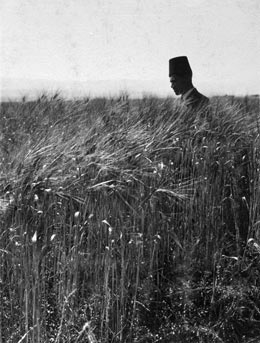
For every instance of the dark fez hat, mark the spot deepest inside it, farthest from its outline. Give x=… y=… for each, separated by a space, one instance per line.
x=179 y=66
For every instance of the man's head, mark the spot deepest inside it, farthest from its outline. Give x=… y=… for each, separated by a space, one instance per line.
x=180 y=74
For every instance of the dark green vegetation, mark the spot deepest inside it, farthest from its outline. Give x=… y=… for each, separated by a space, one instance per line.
x=122 y=222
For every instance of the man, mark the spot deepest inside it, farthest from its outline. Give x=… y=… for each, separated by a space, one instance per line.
x=180 y=74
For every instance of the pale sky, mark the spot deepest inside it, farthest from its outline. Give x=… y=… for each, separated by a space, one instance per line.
x=128 y=42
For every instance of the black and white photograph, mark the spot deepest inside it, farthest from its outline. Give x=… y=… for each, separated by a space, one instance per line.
x=129 y=171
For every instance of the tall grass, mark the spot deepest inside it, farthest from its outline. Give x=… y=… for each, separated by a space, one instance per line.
x=122 y=221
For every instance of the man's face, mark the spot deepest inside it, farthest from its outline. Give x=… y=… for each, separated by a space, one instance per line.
x=178 y=84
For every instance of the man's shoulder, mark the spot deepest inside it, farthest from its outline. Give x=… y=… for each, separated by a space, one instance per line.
x=195 y=99
x=197 y=95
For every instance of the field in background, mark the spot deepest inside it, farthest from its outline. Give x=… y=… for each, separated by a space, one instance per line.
x=121 y=221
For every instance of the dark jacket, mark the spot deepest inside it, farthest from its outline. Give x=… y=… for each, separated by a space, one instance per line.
x=195 y=100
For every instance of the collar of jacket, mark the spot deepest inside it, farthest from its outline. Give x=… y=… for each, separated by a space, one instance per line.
x=186 y=95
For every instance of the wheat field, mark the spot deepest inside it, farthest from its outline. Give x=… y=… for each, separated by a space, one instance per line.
x=122 y=221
